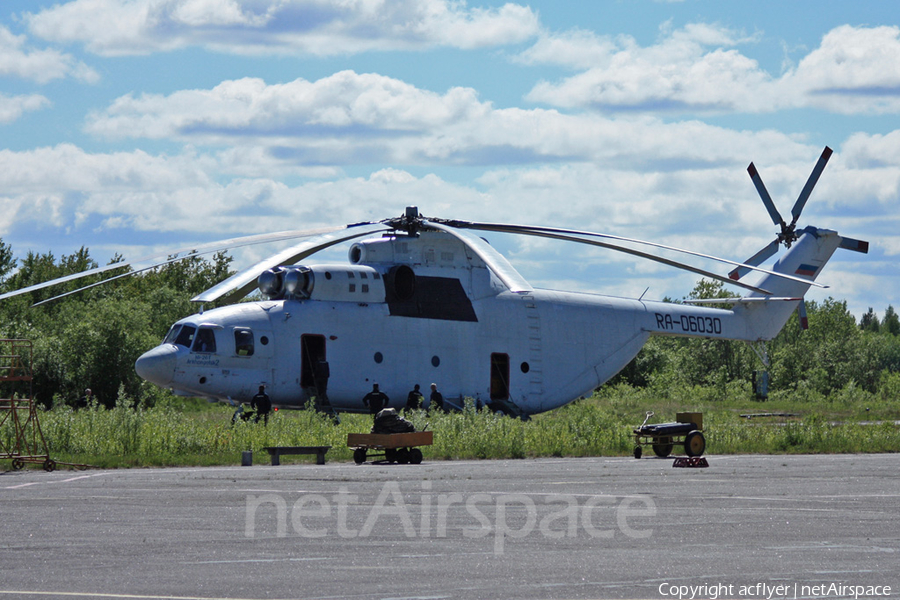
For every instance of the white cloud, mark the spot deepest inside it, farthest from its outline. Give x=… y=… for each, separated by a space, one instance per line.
x=679 y=73
x=13 y=107
x=350 y=118
x=343 y=101
x=314 y=27
x=715 y=209
x=855 y=70
x=42 y=66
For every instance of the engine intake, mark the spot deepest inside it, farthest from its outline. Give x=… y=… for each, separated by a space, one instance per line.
x=340 y=283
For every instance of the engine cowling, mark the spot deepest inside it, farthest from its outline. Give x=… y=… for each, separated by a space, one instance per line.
x=338 y=283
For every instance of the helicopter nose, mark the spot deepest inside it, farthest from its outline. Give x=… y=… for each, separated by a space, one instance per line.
x=157 y=365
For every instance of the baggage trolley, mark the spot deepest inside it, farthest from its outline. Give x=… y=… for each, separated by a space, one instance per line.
x=394 y=447
x=687 y=431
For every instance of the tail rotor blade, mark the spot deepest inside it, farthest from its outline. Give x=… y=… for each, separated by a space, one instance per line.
x=764 y=194
x=801 y=312
x=810 y=184
x=757 y=259
x=855 y=245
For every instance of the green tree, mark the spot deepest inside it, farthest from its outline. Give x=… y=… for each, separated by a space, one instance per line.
x=869 y=321
x=891 y=322
x=92 y=338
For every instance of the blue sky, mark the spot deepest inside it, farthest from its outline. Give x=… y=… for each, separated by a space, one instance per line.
x=138 y=126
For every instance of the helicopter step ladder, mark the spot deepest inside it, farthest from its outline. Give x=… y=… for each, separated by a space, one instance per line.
x=325 y=407
x=21 y=438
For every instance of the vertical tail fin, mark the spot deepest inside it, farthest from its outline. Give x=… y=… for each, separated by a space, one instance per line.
x=805 y=260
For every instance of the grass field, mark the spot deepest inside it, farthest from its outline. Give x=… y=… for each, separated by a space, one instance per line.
x=191 y=432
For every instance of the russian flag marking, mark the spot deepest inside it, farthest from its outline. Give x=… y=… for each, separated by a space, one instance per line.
x=806 y=270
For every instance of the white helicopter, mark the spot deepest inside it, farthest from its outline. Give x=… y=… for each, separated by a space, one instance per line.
x=425 y=300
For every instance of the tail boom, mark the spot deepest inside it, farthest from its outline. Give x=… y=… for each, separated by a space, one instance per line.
x=757 y=316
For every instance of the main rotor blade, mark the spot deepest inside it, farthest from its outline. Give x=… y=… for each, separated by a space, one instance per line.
x=553 y=234
x=801 y=313
x=113 y=278
x=764 y=194
x=195 y=250
x=810 y=184
x=524 y=229
x=495 y=261
x=242 y=283
x=757 y=259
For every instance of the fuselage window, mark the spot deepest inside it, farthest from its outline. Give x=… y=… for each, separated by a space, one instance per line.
x=206 y=341
x=243 y=342
x=185 y=336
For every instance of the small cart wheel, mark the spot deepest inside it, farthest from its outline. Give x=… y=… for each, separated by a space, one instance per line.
x=390 y=454
x=695 y=444
x=415 y=456
x=18 y=464
x=49 y=465
x=403 y=456
x=664 y=447
x=638 y=451
x=359 y=456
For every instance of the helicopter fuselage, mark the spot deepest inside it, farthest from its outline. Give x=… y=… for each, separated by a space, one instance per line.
x=415 y=310
x=423 y=309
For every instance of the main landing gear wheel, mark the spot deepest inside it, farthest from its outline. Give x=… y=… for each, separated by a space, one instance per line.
x=359 y=456
x=695 y=444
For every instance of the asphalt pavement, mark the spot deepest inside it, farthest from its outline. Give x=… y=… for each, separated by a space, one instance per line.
x=745 y=527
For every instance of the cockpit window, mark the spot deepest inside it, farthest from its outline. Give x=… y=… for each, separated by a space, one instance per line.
x=185 y=336
x=172 y=335
x=206 y=341
x=243 y=342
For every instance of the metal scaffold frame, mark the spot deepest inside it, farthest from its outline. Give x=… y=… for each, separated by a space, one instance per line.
x=21 y=438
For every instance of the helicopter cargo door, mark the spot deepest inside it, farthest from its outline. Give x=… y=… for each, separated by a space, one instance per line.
x=312 y=353
x=499 y=376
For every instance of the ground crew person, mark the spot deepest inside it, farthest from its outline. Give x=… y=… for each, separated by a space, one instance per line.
x=375 y=400
x=414 y=399
x=261 y=403
x=437 y=399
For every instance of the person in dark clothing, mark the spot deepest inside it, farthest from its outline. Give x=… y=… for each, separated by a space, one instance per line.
x=261 y=403
x=85 y=400
x=437 y=399
x=375 y=400
x=321 y=372
x=414 y=399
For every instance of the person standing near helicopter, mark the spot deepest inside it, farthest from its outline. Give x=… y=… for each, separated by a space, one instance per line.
x=261 y=403
x=375 y=400
x=436 y=400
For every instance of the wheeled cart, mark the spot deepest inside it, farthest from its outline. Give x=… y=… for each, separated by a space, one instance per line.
x=394 y=447
x=687 y=431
